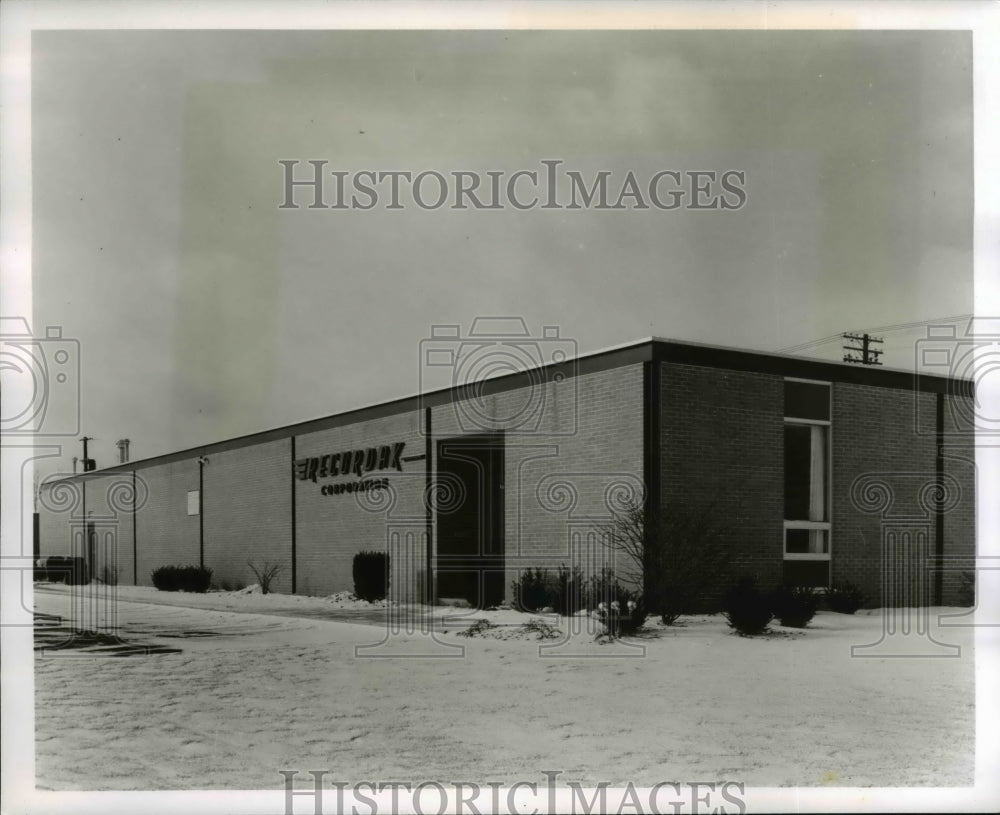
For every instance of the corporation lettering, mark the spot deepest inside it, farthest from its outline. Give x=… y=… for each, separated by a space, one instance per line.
x=351 y=462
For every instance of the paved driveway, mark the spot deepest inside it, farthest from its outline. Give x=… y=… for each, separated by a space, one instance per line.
x=160 y=621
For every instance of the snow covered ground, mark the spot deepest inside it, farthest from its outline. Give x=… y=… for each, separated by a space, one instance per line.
x=256 y=684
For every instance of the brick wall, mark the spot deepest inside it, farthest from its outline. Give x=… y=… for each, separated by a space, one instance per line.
x=166 y=534
x=960 y=519
x=562 y=474
x=566 y=466
x=107 y=502
x=882 y=435
x=572 y=449
x=247 y=506
x=721 y=446
x=722 y=443
x=331 y=529
x=57 y=503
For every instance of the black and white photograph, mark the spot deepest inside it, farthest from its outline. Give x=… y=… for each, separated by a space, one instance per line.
x=499 y=408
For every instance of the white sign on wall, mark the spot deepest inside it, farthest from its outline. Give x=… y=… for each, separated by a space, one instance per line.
x=194 y=502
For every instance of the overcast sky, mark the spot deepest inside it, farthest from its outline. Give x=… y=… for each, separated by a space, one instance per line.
x=205 y=312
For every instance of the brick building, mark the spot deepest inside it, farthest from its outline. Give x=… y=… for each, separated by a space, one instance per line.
x=822 y=472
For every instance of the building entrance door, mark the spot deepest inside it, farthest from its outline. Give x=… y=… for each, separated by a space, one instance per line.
x=470 y=519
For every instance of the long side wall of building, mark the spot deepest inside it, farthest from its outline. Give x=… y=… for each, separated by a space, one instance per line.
x=574 y=454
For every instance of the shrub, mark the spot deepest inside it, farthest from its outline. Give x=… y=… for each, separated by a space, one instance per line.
x=371 y=575
x=746 y=609
x=635 y=616
x=844 y=598
x=569 y=591
x=600 y=588
x=182 y=578
x=265 y=574
x=622 y=611
x=794 y=606
x=533 y=590
x=565 y=592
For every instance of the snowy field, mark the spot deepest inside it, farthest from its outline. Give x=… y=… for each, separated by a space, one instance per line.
x=247 y=685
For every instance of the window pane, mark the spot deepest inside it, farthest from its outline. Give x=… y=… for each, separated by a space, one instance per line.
x=805 y=472
x=798 y=454
x=807 y=542
x=804 y=400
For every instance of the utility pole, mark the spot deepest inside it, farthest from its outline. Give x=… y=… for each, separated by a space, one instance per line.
x=88 y=540
x=869 y=355
x=88 y=463
x=202 y=461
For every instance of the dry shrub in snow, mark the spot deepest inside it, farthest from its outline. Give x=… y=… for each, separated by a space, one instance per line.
x=265 y=574
x=677 y=555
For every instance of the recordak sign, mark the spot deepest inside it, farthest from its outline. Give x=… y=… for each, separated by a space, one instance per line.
x=352 y=462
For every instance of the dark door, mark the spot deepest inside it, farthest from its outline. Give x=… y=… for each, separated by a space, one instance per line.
x=470 y=519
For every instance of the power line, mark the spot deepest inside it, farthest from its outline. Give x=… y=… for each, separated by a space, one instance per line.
x=884 y=329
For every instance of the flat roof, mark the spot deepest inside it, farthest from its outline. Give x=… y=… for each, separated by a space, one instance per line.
x=650 y=349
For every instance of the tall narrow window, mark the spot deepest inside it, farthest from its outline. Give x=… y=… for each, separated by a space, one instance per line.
x=807 y=493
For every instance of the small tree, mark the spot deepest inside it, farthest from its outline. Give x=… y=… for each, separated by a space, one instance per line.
x=678 y=555
x=746 y=608
x=265 y=574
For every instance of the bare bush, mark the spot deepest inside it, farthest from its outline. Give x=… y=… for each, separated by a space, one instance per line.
x=265 y=574
x=678 y=556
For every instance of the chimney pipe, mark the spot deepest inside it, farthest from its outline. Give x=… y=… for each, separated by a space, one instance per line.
x=122 y=451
